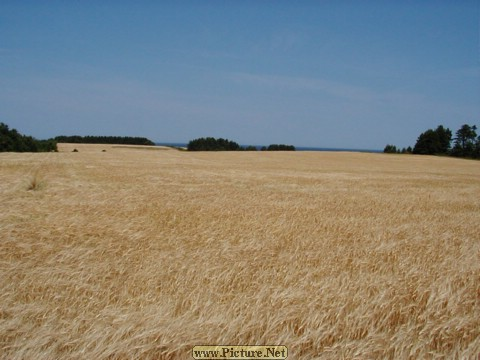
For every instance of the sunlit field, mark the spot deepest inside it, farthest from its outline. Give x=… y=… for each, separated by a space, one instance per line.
x=134 y=253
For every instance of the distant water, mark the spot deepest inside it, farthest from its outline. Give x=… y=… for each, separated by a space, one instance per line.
x=172 y=144
x=298 y=148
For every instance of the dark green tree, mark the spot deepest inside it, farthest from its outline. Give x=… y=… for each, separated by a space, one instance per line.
x=465 y=141
x=390 y=149
x=427 y=143
x=477 y=148
x=444 y=139
x=433 y=142
x=212 y=144
x=280 y=147
x=12 y=140
x=6 y=139
x=124 y=140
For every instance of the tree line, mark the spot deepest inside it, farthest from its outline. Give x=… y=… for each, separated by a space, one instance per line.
x=438 y=141
x=12 y=140
x=220 y=144
x=124 y=140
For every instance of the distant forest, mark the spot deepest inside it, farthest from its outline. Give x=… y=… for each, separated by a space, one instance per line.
x=127 y=140
x=466 y=143
x=212 y=144
x=12 y=140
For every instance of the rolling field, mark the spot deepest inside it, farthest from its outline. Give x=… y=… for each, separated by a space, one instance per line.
x=134 y=253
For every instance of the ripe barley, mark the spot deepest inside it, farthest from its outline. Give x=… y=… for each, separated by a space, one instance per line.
x=143 y=254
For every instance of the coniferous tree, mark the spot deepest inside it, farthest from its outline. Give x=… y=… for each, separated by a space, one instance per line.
x=212 y=144
x=280 y=147
x=390 y=149
x=124 y=140
x=465 y=145
x=433 y=142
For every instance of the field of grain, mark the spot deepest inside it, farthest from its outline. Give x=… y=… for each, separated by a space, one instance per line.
x=131 y=253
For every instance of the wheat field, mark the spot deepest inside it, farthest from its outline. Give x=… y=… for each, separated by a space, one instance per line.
x=134 y=253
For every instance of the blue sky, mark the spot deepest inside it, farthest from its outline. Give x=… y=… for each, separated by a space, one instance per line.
x=345 y=74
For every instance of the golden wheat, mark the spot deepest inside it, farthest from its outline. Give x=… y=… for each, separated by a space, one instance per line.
x=135 y=254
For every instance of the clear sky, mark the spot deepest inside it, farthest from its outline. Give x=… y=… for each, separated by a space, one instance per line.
x=344 y=74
